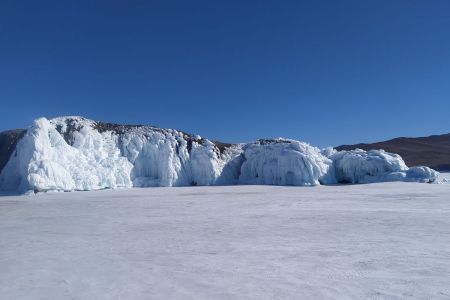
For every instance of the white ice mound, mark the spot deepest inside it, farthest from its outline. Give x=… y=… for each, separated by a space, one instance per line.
x=283 y=162
x=74 y=153
x=359 y=166
x=45 y=161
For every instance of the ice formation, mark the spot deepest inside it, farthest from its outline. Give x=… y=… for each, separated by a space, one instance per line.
x=74 y=153
x=359 y=166
x=283 y=162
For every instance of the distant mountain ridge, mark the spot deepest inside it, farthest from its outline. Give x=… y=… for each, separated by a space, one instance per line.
x=431 y=151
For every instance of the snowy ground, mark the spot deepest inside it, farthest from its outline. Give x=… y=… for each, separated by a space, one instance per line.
x=375 y=241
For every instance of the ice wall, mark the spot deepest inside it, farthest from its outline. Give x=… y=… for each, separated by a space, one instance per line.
x=74 y=153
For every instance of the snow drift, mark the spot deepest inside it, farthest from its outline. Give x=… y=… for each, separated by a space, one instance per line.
x=74 y=153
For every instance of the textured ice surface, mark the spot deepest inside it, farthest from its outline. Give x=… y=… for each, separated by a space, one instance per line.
x=45 y=161
x=283 y=162
x=377 y=241
x=74 y=153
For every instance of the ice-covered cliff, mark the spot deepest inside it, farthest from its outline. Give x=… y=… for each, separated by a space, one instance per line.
x=74 y=153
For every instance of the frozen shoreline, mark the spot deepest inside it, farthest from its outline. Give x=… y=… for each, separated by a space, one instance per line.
x=78 y=154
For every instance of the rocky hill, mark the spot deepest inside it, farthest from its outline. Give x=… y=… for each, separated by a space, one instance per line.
x=431 y=151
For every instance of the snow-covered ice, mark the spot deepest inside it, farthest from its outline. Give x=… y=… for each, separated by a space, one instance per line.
x=74 y=153
x=375 y=241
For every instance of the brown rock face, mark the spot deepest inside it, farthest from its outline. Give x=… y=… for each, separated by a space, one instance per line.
x=8 y=141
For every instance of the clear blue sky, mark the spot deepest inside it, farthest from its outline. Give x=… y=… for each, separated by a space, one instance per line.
x=326 y=72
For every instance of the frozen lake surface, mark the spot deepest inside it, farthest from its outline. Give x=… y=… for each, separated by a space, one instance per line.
x=375 y=241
